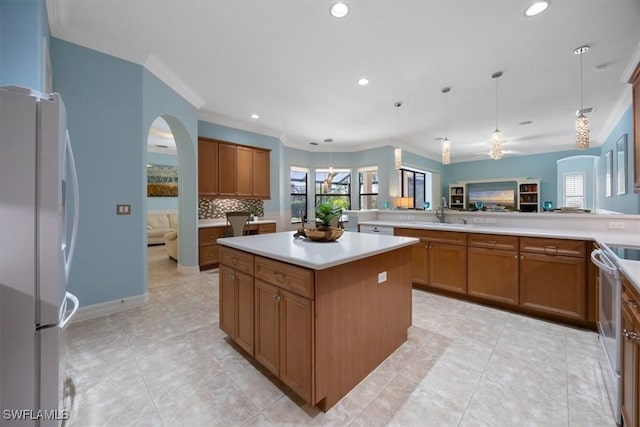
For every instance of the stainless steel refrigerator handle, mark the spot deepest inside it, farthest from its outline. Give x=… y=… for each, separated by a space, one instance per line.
x=76 y=304
x=598 y=257
x=76 y=206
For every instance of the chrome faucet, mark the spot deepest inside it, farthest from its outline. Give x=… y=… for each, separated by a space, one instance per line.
x=440 y=210
x=464 y=221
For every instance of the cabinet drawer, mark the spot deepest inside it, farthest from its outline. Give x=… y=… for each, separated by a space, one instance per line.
x=434 y=236
x=572 y=248
x=208 y=254
x=210 y=235
x=493 y=241
x=238 y=260
x=266 y=228
x=295 y=279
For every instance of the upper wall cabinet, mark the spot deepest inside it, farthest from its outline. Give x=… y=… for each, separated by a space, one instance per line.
x=227 y=170
x=635 y=81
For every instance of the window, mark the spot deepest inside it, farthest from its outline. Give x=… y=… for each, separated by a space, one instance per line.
x=413 y=185
x=298 y=195
x=574 y=191
x=333 y=186
x=368 y=190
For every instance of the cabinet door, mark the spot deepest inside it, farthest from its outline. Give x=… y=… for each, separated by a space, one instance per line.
x=227 y=304
x=207 y=167
x=244 y=172
x=244 y=309
x=420 y=263
x=553 y=284
x=448 y=267
x=226 y=170
x=629 y=370
x=261 y=174
x=493 y=274
x=266 y=326
x=296 y=338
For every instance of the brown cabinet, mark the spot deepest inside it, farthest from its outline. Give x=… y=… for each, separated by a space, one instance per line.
x=207 y=167
x=630 y=366
x=236 y=306
x=635 y=81
x=439 y=260
x=231 y=170
x=553 y=276
x=284 y=323
x=208 y=249
x=244 y=172
x=227 y=170
x=492 y=267
x=261 y=174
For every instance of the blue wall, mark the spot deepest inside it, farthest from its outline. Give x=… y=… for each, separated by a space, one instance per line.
x=628 y=203
x=536 y=166
x=111 y=105
x=24 y=32
x=162 y=203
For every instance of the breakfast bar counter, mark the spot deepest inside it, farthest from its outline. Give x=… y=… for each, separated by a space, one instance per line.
x=319 y=315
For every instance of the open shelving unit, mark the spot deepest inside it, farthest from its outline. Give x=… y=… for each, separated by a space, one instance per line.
x=527 y=197
x=457 y=196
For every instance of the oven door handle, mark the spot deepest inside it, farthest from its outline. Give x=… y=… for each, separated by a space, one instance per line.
x=601 y=261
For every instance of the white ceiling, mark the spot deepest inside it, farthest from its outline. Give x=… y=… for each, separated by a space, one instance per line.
x=297 y=67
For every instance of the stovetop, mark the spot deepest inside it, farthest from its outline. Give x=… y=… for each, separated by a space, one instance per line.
x=625 y=252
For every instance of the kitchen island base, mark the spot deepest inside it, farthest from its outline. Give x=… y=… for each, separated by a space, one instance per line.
x=320 y=331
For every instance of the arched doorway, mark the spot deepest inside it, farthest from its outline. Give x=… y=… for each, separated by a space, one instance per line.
x=162 y=192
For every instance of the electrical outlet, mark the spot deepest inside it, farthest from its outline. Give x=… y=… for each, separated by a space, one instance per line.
x=123 y=209
x=410 y=217
x=382 y=277
x=478 y=220
x=616 y=225
x=489 y=220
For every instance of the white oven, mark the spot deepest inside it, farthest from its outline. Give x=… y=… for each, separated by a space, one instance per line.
x=609 y=327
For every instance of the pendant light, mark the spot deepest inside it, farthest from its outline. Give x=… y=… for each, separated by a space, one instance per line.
x=496 y=144
x=397 y=152
x=582 y=122
x=446 y=144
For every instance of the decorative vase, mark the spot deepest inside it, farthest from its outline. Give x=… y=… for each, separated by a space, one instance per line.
x=320 y=234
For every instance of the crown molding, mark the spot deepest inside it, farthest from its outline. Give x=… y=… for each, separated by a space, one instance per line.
x=624 y=102
x=168 y=77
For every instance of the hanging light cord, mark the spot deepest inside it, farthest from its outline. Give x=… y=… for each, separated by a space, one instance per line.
x=445 y=115
x=497 y=103
x=581 y=83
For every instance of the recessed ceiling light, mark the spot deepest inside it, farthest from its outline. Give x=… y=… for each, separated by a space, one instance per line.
x=339 y=10
x=363 y=81
x=162 y=146
x=440 y=138
x=255 y=116
x=601 y=67
x=526 y=122
x=536 y=8
x=313 y=143
x=328 y=140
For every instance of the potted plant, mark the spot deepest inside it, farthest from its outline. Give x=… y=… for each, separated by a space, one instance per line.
x=325 y=213
x=254 y=213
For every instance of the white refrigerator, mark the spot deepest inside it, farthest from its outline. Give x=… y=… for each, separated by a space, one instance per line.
x=38 y=227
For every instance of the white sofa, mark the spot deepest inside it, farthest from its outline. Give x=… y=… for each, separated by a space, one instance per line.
x=171 y=243
x=159 y=224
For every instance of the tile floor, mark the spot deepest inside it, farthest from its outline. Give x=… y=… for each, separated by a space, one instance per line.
x=168 y=364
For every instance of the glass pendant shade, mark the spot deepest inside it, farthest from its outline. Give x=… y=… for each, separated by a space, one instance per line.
x=397 y=158
x=496 y=146
x=582 y=132
x=446 y=152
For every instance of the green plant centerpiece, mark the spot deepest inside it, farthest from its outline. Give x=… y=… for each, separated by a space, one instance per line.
x=325 y=213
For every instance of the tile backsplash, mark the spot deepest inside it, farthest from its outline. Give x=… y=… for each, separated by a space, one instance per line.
x=216 y=208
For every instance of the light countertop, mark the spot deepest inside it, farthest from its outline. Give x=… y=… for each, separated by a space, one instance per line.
x=222 y=222
x=349 y=247
x=631 y=269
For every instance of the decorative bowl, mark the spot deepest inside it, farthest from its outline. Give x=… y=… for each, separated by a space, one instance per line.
x=323 y=234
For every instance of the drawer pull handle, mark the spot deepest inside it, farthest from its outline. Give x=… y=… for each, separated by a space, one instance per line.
x=277 y=297
x=551 y=249
x=231 y=277
x=631 y=303
x=491 y=242
x=630 y=335
x=279 y=276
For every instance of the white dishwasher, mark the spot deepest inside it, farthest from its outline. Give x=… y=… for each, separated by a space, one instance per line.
x=376 y=229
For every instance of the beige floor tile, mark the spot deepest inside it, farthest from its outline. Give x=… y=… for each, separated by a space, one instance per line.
x=168 y=364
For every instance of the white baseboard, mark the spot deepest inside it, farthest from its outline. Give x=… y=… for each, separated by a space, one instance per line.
x=110 y=307
x=188 y=270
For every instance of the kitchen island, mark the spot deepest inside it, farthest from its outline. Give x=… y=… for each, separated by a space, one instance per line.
x=319 y=315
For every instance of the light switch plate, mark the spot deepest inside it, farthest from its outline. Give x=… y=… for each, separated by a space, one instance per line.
x=616 y=225
x=123 y=209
